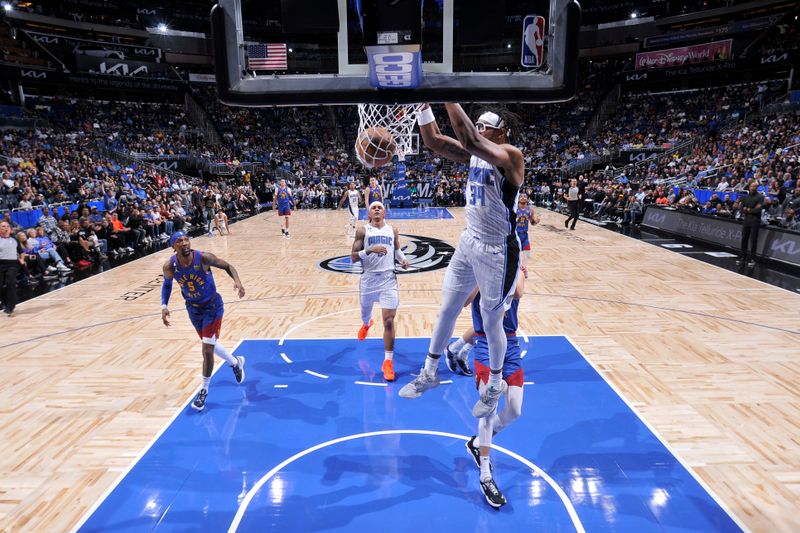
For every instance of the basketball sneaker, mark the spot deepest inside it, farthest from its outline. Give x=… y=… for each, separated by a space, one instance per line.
x=492 y=494
x=420 y=384
x=200 y=400
x=238 y=370
x=488 y=400
x=474 y=451
x=388 y=370
x=450 y=358
x=363 y=330
x=462 y=360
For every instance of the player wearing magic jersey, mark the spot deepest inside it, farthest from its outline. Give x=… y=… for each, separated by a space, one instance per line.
x=353 y=199
x=377 y=247
x=488 y=251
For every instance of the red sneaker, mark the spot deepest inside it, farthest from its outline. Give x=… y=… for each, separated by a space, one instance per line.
x=362 y=332
x=388 y=370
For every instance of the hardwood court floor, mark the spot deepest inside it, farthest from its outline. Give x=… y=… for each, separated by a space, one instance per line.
x=708 y=357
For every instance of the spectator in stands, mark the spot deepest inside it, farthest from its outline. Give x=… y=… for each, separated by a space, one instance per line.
x=46 y=250
x=47 y=221
x=790 y=221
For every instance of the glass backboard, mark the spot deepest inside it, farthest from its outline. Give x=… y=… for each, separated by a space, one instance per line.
x=470 y=51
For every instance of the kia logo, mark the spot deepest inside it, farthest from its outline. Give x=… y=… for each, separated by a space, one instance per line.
x=774 y=58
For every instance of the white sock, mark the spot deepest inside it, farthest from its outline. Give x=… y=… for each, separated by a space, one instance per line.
x=495 y=379
x=388 y=355
x=223 y=353
x=486 y=473
x=206 y=382
x=431 y=365
x=457 y=345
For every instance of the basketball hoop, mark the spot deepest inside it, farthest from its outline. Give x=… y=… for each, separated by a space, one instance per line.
x=397 y=120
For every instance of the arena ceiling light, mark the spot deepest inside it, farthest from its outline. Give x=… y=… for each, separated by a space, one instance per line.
x=7 y=6
x=162 y=27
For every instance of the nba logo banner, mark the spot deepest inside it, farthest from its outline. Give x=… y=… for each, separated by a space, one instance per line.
x=532 y=41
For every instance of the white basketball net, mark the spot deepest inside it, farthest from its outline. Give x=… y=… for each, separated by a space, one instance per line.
x=398 y=120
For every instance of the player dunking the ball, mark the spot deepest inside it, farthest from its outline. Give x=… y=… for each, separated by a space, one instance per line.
x=192 y=270
x=488 y=251
x=353 y=199
x=377 y=246
x=283 y=200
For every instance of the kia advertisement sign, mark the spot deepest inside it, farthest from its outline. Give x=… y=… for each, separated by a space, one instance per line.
x=672 y=57
x=773 y=242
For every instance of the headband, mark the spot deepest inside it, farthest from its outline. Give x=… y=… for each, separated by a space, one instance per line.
x=175 y=236
x=376 y=202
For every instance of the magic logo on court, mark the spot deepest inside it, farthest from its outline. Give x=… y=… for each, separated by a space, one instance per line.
x=424 y=254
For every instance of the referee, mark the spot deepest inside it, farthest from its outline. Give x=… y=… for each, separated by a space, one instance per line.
x=573 y=197
x=11 y=257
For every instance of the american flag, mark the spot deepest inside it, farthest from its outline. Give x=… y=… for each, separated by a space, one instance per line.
x=267 y=56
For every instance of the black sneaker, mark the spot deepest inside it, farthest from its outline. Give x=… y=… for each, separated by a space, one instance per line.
x=238 y=370
x=474 y=451
x=463 y=367
x=450 y=358
x=200 y=400
x=492 y=494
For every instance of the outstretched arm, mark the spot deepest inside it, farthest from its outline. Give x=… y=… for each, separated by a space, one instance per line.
x=441 y=144
x=211 y=260
x=504 y=156
x=166 y=291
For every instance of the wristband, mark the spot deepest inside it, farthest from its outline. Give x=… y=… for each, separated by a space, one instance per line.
x=425 y=117
x=163 y=307
x=363 y=254
x=399 y=255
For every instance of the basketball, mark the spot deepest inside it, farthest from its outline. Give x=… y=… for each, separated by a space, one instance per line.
x=375 y=147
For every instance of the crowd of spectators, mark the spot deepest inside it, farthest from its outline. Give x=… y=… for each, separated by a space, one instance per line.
x=765 y=151
x=93 y=209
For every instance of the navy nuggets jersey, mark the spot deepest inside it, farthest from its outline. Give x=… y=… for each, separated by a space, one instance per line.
x=374 y=194
x=284 y=196
x=197 y=285
x=509 y=319
x=523 y=219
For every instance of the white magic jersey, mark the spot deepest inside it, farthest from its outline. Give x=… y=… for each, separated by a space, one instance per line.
x=491 y=201
x=352 y=198
x=379 y=236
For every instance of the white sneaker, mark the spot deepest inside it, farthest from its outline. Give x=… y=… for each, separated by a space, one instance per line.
x=50 y=269
x=420 y=384
x=61 y=267
x=488 y=400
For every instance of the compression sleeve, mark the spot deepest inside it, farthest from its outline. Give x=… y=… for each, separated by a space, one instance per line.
x=166 y=290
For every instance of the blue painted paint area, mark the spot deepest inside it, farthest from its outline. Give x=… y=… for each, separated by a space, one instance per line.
x=615 y=473
x=411 y=213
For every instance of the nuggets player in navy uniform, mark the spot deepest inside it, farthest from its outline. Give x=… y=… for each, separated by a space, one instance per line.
x=284 y=202
x=192 y=270
x=525 y=219
x=513 y=375
x=373 y=193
